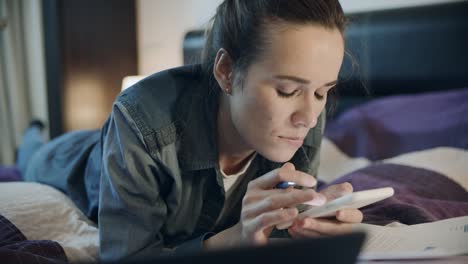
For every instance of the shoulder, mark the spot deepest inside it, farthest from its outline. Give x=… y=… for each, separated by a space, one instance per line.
x=157 y=93
x=151 y=104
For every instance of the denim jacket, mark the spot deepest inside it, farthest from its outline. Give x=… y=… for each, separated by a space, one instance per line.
x=156 y=157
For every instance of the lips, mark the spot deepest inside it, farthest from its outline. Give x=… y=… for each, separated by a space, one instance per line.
x=295 y=141
x=293 y=138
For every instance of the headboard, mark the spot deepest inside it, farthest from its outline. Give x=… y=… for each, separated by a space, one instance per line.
x=400 y=51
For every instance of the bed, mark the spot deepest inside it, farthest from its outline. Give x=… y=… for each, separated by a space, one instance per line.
x=402 y=121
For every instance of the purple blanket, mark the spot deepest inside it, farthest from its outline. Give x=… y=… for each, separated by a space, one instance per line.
x=396 y=125
x=9 y=174
x=420 y=195
x=15 y=248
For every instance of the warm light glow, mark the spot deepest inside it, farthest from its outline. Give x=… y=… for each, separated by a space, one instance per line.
x=84 y=107
x=131 y=80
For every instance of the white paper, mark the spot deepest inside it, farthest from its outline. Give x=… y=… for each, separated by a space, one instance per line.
x=430 y=240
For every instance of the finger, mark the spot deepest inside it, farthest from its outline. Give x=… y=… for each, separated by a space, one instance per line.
x=302 y=175
x=289 y=166
x=281 y=200
x=255 y=196
x=337 y=190
x=324 y=226
x=285 y=173
x=299 y=233
x=284 y=225
x=270 y=219
x=349 y=216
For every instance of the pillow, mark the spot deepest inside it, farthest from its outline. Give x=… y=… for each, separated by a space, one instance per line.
x=395 y=125
x=43 y=213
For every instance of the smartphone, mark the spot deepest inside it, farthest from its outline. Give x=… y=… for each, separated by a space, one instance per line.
x=353 y=200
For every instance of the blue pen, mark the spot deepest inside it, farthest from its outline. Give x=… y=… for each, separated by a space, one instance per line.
x=285 y=184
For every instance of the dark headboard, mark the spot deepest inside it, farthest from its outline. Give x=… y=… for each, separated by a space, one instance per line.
x=410 y=50
x=400 y=51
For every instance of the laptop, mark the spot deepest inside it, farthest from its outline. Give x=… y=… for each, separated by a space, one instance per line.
x=343 y=249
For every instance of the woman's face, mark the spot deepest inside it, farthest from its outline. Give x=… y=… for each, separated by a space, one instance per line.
x=285 y=90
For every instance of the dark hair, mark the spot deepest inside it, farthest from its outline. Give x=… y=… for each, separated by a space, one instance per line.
x=238 y=27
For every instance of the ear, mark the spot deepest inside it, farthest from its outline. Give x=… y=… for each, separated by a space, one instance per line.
x=222 y=71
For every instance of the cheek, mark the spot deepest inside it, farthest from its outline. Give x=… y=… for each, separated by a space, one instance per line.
x=253 y=112
x=256 y=113
x=268 y=112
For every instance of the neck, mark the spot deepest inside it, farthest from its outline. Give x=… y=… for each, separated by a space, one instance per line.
x=233 y=151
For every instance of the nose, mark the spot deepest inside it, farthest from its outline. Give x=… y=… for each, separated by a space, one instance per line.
x=306 y=115
x=304 y=122
x=304 y=119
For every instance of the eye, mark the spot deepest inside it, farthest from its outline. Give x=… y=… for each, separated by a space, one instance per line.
x=286 y=95
x=319 y=97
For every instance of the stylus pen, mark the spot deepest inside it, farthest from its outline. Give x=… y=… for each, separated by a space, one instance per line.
x=285 y=184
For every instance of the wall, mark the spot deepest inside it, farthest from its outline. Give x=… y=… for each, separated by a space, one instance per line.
x=163 y=23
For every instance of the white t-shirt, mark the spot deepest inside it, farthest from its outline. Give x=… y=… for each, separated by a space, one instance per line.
x=231 y=180
x=230 y=183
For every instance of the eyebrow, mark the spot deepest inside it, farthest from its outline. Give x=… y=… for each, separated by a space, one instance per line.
x=301 y=80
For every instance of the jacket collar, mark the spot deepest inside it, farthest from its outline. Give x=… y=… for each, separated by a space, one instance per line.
x=196 y=126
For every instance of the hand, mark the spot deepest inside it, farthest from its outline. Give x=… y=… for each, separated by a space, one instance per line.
x=341 y=224
x=263 y=207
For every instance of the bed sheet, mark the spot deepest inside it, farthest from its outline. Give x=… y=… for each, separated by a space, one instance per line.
x=43 y=213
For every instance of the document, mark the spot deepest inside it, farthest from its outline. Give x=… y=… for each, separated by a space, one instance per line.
x=430 y=240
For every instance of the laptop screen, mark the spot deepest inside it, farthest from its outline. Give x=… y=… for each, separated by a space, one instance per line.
x=341 y=249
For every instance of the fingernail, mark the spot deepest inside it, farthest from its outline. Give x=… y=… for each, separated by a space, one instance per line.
x=317 y=201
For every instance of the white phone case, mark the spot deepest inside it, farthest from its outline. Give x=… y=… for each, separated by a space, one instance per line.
x=353 y=200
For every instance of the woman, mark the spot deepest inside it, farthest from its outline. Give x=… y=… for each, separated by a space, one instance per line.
x=189 y=157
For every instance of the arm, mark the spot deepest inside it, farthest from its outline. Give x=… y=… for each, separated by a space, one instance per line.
x=131 y=208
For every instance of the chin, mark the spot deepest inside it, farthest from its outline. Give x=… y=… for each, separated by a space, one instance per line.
x=278 y=155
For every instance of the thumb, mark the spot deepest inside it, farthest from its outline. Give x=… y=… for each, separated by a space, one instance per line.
x=288 y=166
